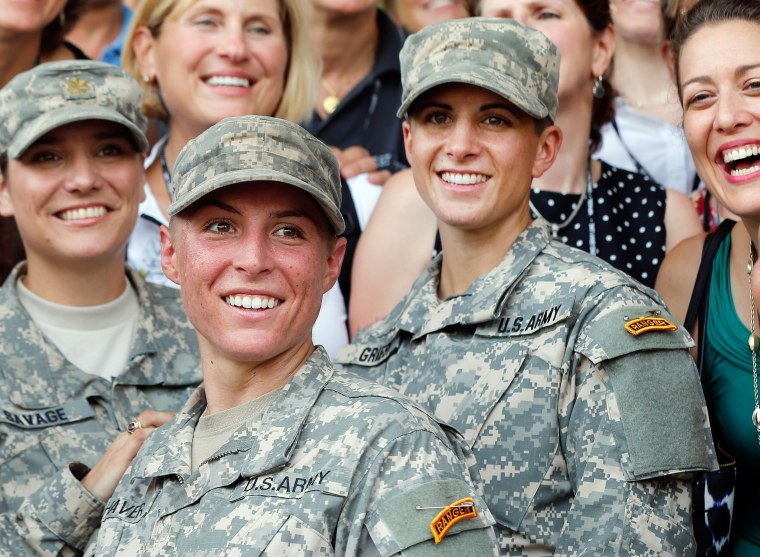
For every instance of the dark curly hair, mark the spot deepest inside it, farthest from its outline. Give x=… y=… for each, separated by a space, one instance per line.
x=597 y=14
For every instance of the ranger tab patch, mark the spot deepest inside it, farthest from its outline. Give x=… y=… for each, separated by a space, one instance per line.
x=457 y=511
x=647 y=324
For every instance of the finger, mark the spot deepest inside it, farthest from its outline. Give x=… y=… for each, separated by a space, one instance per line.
x=361 y=166
x=379 y=178
x=354 y=153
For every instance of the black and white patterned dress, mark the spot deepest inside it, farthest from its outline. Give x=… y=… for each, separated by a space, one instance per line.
x=628 y=219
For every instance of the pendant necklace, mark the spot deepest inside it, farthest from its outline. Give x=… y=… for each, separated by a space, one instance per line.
x=331 y=101
x=557 y=226
x=753 y=342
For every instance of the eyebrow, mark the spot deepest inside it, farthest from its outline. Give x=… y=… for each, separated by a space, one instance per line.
x=280 y=214
x=737 y=73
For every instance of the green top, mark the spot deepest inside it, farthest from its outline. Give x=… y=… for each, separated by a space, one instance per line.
x=727 y=380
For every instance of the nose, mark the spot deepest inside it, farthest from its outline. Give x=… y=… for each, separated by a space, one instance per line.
x=233 y=44
x=82 y=176
x=731 y=113
x=463 y=141
x=253 y=255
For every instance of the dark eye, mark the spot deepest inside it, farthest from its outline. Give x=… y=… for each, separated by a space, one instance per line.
x=493 y=120
x=112 y=150
x=289 y=231
x=548 y=14
x=40 y=157
x=219 y=227
x=438 y=118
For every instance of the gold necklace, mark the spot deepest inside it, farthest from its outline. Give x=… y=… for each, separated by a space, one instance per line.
x=331 y=101
x=753 y=341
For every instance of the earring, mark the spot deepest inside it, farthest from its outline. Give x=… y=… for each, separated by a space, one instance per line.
x=598 y=89
x=62 y=18
x=146 y=78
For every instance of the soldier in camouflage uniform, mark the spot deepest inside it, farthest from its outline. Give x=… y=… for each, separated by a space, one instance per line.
x=568 y=380
x=278 y=453
x=72 y=144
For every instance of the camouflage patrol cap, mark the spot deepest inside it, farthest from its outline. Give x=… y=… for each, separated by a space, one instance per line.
x=58 y=93
x=504 y=56
x=257 y=149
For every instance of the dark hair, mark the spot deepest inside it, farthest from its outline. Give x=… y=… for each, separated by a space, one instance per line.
x=707 y=12
x=597 y=14
x=54 y=32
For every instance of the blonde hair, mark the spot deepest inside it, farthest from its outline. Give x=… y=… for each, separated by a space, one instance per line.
x=301 y=75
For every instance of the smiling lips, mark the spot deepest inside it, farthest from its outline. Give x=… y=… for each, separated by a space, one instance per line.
x=228 y=81
x=742 y=161
x=251 y=302
x=463 y=179
x=82 y=213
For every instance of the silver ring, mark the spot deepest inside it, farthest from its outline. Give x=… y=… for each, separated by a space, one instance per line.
x=134 y=425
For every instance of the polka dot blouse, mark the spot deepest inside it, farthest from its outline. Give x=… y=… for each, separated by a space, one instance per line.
x=628 y=219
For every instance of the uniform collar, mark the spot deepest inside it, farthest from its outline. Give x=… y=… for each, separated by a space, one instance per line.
x=423 y=313
x=268 y=446
x=37 y=375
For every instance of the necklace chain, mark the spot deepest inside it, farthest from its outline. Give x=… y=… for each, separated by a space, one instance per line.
x=557 y=226
x=753 y=342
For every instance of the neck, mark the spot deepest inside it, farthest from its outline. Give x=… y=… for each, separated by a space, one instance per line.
x=98 y=27
x=471 y=253
x=344 y=40
x=230 y=383
x=178 y=138
x=656 y=95
x=76 y=284
x=18 y=53
x=569 y=171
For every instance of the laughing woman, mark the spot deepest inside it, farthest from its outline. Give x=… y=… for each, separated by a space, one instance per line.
x=718 y=74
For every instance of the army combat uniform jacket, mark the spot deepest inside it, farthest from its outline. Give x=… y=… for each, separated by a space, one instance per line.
x=336 y=465
x=573 y=388
x=53 y=414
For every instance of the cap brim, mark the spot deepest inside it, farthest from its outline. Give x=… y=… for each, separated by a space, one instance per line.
x=240 y=176
x=49 y=121
x=503 y=85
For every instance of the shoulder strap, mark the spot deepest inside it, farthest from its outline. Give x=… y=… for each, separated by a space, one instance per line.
x=699 y=296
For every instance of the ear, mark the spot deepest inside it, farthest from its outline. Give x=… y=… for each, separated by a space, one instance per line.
x=144 y=46
x=603 y=51
x=6 y=205
x=549 y=143
x=168 y=255
x=334 y=263
x=407 y=130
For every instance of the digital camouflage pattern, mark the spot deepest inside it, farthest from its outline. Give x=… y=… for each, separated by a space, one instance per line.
x=258 y=148
x=583 y=433
x=502 y=55
x=53 y=414
x=58 y=93
x=335 y=466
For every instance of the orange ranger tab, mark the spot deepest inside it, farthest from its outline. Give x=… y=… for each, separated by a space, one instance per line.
x=444 y=520
x=646 y=324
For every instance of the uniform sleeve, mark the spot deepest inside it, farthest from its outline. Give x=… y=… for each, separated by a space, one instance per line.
x=417 y=469
x=634 y=430
x=612 y=513
x=58 y=519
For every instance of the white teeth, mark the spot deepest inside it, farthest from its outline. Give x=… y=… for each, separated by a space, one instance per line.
x=745 y=171
x=740 y=153
x=228 y=81
x=463 y=179
x=251 y=302
x=83 y=213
